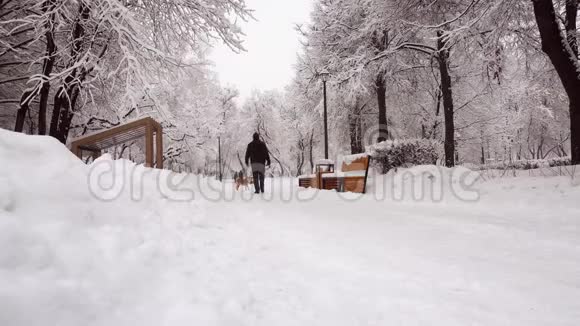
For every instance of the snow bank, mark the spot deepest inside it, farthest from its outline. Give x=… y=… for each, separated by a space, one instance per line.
x=80 y=250
x=70 y=258
x=426 y=184
x=33 y=165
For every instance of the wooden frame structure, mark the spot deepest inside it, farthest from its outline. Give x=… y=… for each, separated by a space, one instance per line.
x=145 y=127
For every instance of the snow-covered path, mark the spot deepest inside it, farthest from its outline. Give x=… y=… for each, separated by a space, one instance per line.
x=407 y=265
x=67 y=258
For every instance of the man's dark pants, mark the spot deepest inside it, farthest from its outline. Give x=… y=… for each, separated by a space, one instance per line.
x=258 y=174
x=258 y=181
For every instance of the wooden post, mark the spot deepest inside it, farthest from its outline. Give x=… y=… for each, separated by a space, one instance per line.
x=76 y=150
x=149 y=145
x=159 y=147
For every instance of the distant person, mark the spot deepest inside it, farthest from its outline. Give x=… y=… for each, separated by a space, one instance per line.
x=257 y=153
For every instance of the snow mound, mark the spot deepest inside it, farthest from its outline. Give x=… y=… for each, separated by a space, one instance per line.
x=37 y=165
x=427 y=183
x=46 y=151
x=113 y=243
x=19 y=152
x=71 y=257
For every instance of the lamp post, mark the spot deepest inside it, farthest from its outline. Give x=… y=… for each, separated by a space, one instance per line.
x=324 y=76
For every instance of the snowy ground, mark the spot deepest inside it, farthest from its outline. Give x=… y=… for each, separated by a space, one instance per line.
x=512 y=257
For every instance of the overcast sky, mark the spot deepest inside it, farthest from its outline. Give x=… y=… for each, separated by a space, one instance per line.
x=271 y=43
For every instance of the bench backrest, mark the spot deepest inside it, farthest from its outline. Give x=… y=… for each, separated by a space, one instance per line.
x=359 y=164
x=356 y=184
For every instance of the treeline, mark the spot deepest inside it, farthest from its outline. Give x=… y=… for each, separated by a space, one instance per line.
x=492 y=80
x=69 y=67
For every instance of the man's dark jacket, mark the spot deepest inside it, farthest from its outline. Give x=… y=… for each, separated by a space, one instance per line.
x=257 y=153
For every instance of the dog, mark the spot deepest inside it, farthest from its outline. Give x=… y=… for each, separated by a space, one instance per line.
x=244 y=182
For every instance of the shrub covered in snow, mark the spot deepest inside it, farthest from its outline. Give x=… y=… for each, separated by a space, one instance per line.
x=527 y=164
x=404 y=153
x=521 y=165
x=560 y=161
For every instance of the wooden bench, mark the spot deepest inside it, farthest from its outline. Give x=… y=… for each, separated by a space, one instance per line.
x=352 y=177
x=315 y=180
x=306 y=181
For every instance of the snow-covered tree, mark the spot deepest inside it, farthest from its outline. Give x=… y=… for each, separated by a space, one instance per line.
x=127 y=44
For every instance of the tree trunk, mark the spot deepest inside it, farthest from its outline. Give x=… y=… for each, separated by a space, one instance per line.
x=67 y=115
x=44 y=88
x=47 y=66
x=57 y=105
x=447 y=93
x=24 y=107
x=380 y=41
x=62 y=104
x=300 y=156
x=381 y=90
x=63 y=111
x=355 y=127
x=299 y=163
x=311 y=151
x=65 y=97
x=571 y=15
x=565 y=61
x=437 y=112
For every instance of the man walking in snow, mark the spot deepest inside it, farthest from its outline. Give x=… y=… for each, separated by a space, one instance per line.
x=257 y=153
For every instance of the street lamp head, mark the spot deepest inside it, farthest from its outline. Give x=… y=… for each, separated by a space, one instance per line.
x=324 y=74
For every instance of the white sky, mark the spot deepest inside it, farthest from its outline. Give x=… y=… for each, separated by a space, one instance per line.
x=271 y=43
